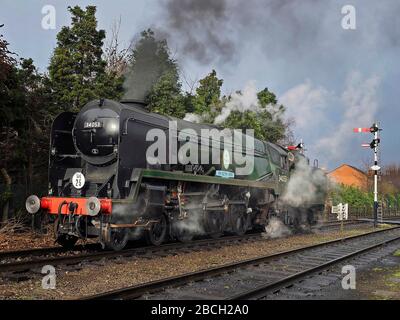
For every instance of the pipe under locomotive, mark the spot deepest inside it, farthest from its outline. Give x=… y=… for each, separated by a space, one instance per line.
x=101 y=184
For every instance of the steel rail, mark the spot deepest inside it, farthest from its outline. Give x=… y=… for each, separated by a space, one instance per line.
x=259 y=292
x=137 y=291
x=94 y=246
x=44 y=251
x=93 y=256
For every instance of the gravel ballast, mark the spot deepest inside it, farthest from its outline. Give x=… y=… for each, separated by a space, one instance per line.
x=113 y=274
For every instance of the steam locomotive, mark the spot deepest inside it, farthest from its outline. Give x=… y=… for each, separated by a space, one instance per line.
x=104 y=182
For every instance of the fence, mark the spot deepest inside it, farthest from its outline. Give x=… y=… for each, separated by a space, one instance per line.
x=366 y=212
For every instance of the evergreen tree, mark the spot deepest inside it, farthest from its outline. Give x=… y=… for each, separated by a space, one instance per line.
x=166 y=98
x=8 y=85
x=266 y=122
x=24 y=130
x=77 y=69
x=31 y=150
x=8 y=113
x=7 y=61
x=207 y=100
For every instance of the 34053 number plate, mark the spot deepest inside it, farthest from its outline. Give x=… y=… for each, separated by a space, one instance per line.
x=93 y=124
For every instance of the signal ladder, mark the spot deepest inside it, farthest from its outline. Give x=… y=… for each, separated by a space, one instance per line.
x=380 y=212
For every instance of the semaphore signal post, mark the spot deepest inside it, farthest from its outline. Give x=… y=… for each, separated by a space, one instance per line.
x=373 y=145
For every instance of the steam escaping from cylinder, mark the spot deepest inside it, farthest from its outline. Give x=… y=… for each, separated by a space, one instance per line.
x=305 y=185
x=276 y=229
x=193 y=224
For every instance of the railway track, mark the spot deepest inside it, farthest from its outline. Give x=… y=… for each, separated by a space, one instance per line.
x=25 y=260
x=22 y=261
x=254 y=278
x=331 y=225
x=46 y=251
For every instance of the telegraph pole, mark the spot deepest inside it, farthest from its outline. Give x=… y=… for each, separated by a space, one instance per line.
x=373 y=145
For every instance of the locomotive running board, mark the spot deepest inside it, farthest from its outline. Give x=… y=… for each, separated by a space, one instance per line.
x=171 y=175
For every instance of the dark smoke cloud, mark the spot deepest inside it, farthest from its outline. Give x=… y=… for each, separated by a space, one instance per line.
x=201 y=28
x=140 y=78
x=296 y=47
x=142 y=75
x=217 y=30
x=213 y=30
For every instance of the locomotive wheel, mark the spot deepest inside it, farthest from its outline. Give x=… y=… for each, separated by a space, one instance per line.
x=240 y=226
x=311 y=217
x=67 y=241
x=214 y=224
x=157 y=233
x=182 y=232
x=238 y=221
x=118 y=239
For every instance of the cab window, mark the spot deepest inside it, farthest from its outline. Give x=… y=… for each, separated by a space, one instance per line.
x=262 y=166
x=284 y=163
x=275 y=156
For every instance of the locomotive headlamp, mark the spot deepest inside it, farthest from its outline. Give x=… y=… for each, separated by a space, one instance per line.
x=32 y=204
x=93 y=206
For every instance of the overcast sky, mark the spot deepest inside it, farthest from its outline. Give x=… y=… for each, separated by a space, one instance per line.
x=330 y=79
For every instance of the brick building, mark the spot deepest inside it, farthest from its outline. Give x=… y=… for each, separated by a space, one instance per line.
x=349 y=176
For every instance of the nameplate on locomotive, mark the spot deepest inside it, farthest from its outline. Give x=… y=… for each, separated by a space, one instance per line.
x=224 y=174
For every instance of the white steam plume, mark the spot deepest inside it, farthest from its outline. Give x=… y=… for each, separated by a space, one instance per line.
x=325 y=119
x=361 y=105
x=305 y=102
x=304 y=185
x=193 y=224
x=192 y=117
x=245 y=100
x=276 y=229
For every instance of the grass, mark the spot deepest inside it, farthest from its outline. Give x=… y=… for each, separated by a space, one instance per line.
x=397 y=253
x=396 y=274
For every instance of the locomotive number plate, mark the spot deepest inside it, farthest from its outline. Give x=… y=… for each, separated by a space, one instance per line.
x=93 y=124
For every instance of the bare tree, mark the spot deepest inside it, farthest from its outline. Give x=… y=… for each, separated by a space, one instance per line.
x=391 y=176
x=117 y=58
x=289 y=138
x=191 y=83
